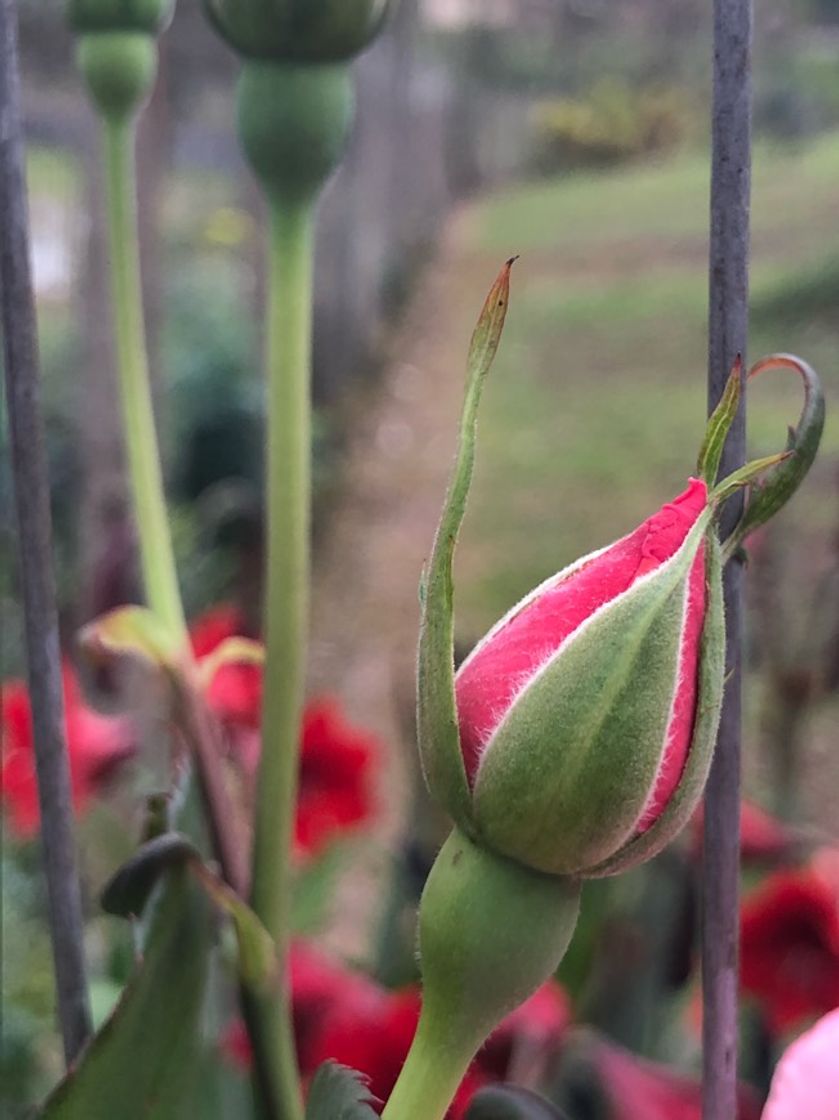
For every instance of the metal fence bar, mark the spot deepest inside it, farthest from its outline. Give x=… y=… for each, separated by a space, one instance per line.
x=29 y=469
x=728 y=335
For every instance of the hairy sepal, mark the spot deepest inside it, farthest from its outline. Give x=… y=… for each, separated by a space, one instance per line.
x=437 y=726
x=567 y=773
x=682 y=804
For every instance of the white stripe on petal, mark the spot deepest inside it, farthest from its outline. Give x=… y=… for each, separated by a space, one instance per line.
x=691 y=542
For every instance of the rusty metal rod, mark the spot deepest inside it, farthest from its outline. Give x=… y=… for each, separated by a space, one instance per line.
x=31 y=488
x=728 y=336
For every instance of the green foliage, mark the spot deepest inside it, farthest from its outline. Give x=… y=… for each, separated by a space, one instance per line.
x=143 y=1059
x=610 y=124
x=338 y=1093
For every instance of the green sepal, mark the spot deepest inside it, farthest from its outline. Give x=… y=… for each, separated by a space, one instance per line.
x=719 y=425
x=566 y=775
x=437 y=724
x=92 y=16
x=775 y=490
x=681 y=806
x=307 y=31
x=745 y=476
x=339 y=1093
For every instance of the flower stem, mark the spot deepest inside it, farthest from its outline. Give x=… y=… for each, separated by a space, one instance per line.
x=289 y=319
x=433 y=1070
x=157 y=558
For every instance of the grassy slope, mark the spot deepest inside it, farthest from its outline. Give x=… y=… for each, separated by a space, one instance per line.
x=595 y=410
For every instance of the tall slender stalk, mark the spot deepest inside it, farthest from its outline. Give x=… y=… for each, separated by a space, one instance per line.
x=157 y=558
x=289 y=328
x=728 y=335
x=31 y=487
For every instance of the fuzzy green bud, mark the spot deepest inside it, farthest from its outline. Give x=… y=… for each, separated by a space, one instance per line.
x=119 y=68
x=293 y=124
x=297 y=30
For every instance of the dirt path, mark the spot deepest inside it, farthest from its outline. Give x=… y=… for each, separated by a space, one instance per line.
x=365 y=606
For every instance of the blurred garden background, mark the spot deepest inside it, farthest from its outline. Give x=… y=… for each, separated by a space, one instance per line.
x=574 y=133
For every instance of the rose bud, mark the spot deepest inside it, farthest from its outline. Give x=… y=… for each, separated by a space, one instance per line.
x=297 y=30
x=587 y=715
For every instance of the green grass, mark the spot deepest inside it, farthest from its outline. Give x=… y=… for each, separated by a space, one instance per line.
x=594 y=412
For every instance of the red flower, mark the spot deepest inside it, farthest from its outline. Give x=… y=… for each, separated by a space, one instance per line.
x=789 y=945
x=337 y=763
x=96 y=744
x=597 y=673
x=637 y=1089
x=337 y=760
x=235 y=692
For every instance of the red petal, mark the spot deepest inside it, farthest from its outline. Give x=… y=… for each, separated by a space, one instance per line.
x=489 y=680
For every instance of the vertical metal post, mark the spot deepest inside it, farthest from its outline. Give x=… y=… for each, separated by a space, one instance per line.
x=29 y=469
x=728 y=335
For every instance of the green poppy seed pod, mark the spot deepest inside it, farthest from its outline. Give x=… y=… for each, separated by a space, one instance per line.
x=587 y=716
x=119 y=68
x=92 y=16
x=117 y=50
x=297 y=30
x=293 y=124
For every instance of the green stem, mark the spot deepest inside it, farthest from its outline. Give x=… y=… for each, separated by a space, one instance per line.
x=157 y=558
x=433 y=1070
x=289 y=322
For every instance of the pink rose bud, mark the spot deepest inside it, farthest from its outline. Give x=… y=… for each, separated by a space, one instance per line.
x=587 y=715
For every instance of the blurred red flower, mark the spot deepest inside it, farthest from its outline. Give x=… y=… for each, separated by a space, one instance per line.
x=637 y=1089
x=789 y=944
x=337 y=760
x=344 y=1016
x=235 y=692
x=763 y=838
x=337 y=763
x=96 y=744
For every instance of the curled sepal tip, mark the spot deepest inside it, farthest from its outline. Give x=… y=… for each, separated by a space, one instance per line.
x=782 y=473
x=437 y=725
